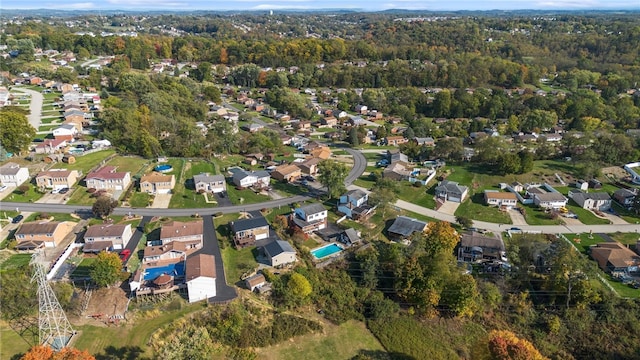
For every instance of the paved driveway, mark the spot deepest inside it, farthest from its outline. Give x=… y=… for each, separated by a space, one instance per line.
x=616 y=220
x=449 y=207
x=516 y=217
x=161 y=201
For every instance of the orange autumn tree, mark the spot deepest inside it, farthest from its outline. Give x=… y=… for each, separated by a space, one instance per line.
x=505 y=345
x=42 y=352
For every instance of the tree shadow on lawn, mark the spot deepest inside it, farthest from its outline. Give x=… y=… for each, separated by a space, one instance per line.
x=122 y=353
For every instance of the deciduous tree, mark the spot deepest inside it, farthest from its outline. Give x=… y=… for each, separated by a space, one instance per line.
x=104 y=206
x=15 y=131
x=332 y=175
x=106 y=269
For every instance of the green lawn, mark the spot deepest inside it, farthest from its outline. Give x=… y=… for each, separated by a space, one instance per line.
x=537 y=216
x=56 y=217
x=86 y=162
x=628 y=216
x=30 y=196
x=623 y=290
x=475 y=208
x=337 y=342
x=365 y=182
x=419 y=195
x=585 y=241
x=246 y=196
x=238 y=262
x=626 y=238
x=184 y=197
x=12 y=343
x=132 y=164
x=15 y=261
x=83 y=269
x=139 y=200
x=198 y=167
x=80 y=196
x=287 y=189
x=585 y=216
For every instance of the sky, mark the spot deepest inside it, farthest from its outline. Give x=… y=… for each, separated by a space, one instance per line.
x=366 y=5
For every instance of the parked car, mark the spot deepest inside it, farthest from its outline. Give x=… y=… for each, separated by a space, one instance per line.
x=17 y=218
x=63 y=190
x=124 y=255
x=3 y=188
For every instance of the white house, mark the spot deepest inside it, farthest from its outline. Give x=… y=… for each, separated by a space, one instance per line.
x=596 y=201
x=245 y=178
x=11 y=174
x=209 y=183
x=65 y=132
x=310 y=218
x=500 y=199
x=200 y=277
x=549 y=200
x=279 y=253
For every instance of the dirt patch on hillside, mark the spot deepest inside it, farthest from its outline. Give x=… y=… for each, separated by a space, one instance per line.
x=615 y=172
x=106 y=306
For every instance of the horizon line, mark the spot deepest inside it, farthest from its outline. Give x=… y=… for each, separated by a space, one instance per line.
x=354 y=9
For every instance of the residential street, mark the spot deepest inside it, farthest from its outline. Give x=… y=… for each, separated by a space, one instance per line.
x=35 y=106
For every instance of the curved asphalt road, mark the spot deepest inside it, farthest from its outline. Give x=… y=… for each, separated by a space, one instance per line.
x=359 y=165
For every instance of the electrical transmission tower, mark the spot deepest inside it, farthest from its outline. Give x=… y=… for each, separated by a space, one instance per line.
x=53 y=325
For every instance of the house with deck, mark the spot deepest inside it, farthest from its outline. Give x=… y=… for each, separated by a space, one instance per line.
x=309 y=218
x=160 y=255
x=247 y=231
x=625 y=197
x=475 y=246
x=354 y=204
x=244 y=178
x=613 y=257
x=190 y=233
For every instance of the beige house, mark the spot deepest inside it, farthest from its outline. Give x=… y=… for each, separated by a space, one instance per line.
x=165 y=254
x=108 y=178
x=57 y=178
x=501 y=199
x=190 y=233
x=309 y=166
x=107 y=237
x=287 y=173
x=157 y=183
x=37 y=234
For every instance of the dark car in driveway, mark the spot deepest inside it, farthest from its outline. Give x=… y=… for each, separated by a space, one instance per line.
x=17 y=218
x=63 y=190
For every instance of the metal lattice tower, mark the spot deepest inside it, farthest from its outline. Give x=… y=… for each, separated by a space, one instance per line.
x=53 y=325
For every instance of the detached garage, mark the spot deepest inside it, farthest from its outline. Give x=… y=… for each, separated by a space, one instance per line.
x=200 y=276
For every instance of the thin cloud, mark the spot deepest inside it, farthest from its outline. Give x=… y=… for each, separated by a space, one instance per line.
x=148 y=3
x=73 y=6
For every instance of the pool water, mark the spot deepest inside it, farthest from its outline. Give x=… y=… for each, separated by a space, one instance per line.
x=325 y=251
x=164 y=168
x=176 y=270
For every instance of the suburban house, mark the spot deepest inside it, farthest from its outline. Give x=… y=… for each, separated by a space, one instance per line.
x=200 y=277
x=57 y=178
x=11 y=174
x=170 y=253
x=547 y=200
x=349 y=237
x=206 y=182
x=157 y=183
x=50 y=146
x=286 y=173
x=247 y=231
x=475 y=246
x=309 y=166
x=33 y=235
x=108 y=178
x=66 y=132
x=425 y=141
x=451 y=191
x=354 y=204
x=329 y=121
x=253 y=127
x=396 y=140
x=279 y=253
x=106 y=237
x=594 y=201
x=310 y=218
x=504 y=200
x=624 y=197
x=403 y=227
x=189 y=233
x=394 y=155
x=613 y=257
x=398 y=171
x=254 y=282
x=244 y=178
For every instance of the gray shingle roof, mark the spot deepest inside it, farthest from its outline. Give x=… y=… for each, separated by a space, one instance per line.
x=278 y=247
x=406 y=226
x=246 y=224
x=451 y=187
x=313 y=208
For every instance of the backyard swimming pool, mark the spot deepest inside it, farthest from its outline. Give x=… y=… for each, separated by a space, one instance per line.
x=163 y=168
x=327 y=250
x=176 y=270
